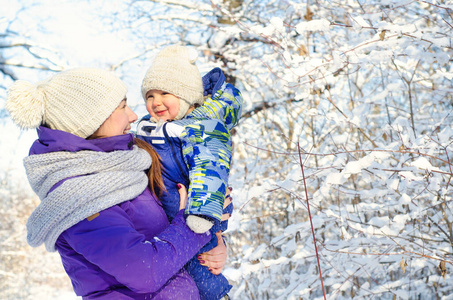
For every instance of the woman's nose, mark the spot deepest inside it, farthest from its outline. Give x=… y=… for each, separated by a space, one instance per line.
x=132 y=116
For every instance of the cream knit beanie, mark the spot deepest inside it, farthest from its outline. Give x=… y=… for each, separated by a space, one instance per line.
x=77 y=101
x=174 y=71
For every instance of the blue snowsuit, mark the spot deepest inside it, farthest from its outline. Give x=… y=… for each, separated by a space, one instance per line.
x=196 y=151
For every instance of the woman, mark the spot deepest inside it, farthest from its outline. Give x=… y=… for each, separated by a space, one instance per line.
x=96 y=208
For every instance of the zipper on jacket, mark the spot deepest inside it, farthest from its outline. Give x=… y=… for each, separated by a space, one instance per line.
x=173 y=150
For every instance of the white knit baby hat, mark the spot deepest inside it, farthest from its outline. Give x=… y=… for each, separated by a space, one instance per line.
x=77 y=101
x=174 y=71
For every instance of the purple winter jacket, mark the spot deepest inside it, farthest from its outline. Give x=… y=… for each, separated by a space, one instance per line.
x=129 y=251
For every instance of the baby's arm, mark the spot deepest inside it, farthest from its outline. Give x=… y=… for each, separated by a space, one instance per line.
x=207 y=153
x=207 y=149
x=225 y=104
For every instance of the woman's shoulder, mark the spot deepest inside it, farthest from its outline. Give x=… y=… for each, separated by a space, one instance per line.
x=52 y=140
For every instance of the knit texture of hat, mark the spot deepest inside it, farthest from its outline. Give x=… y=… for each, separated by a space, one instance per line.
x=77 y=101
x=174 y=71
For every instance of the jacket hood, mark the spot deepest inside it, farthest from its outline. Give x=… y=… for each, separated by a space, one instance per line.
x=52 y=140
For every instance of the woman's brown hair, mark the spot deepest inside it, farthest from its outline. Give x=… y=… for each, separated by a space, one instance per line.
x=155 y=171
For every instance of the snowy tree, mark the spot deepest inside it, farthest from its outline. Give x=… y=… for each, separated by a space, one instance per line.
x=18 y=51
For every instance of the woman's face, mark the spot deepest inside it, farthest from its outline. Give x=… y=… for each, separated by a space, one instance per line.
x=118 y=123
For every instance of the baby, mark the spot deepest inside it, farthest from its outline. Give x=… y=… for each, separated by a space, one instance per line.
x=195 y=147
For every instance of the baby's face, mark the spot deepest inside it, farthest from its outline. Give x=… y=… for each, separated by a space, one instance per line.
x=162 y=105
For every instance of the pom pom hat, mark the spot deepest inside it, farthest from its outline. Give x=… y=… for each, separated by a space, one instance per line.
x=174 y=71
x=77 y=101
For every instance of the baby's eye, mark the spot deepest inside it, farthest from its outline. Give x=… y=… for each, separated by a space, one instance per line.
x=164 y=93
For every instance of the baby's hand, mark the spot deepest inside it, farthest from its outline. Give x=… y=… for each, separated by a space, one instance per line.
x=198 y=224
x=213 y=81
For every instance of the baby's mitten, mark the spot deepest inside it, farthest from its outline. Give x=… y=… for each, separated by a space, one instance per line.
x=198 y=224
x=213 y=81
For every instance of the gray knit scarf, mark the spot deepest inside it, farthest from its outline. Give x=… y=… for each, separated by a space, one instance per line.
x=94 y=181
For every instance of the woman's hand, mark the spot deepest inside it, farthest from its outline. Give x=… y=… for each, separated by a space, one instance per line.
x=227 y=202
x=182 y=196
x=215 y=259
